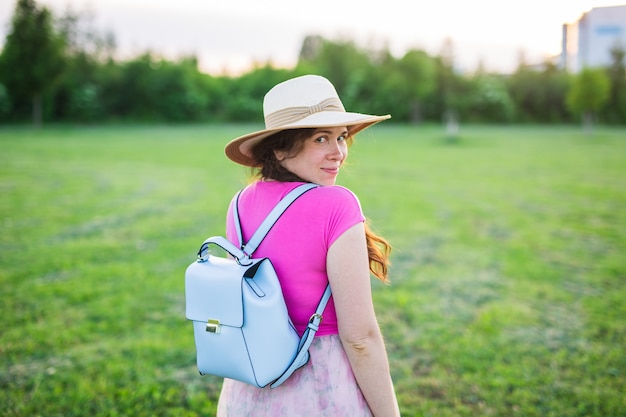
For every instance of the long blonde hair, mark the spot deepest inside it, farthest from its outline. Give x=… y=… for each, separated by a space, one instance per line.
x=268 y=167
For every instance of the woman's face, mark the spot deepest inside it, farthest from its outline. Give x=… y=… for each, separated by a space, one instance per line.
x=320 y=157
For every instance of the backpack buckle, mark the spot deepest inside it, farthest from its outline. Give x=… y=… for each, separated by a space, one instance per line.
x=213 y=326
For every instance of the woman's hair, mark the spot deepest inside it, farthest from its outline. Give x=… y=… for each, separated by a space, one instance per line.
x=269 y=167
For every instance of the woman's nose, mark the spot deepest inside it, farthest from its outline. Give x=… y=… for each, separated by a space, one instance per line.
x=336 y=152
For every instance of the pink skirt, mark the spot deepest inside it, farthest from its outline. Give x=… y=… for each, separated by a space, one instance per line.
x=323 y=387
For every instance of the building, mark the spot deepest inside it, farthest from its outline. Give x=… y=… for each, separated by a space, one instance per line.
x=588 y=42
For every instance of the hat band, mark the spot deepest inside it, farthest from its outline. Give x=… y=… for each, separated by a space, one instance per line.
x=290 y=115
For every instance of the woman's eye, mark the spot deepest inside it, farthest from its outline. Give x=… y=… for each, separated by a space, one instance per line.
x=321 y=139
x=341 y=138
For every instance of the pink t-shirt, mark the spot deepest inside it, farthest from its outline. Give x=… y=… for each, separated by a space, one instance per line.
x=298 y=243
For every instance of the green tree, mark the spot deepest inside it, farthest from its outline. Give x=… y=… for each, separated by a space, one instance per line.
x=445 y=101
x=246 y=92
x=539 y=94
x=78 y=96
x=555 y=82
x=152 y=89
x=488 y=99
x=337 y=60
x=588 y=93
x=416 y=70
x=5 y=102
x=37 y=50
x=615 y=108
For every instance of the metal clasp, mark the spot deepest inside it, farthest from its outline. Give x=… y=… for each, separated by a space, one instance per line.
x=315 y=316
x=213 y=326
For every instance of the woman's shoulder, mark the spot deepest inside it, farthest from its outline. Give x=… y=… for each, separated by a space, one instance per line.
x=285 y=187
x=335 y=191
x=329 y=195
x=335 y=195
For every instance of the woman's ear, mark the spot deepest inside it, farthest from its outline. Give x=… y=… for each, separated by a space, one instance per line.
x=280 y=155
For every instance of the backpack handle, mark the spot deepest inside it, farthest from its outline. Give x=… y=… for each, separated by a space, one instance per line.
x=234 y=251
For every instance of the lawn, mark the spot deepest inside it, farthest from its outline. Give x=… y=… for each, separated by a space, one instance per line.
x=508 y=276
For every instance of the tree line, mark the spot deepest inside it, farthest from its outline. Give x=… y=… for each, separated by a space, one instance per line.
x=55 y=69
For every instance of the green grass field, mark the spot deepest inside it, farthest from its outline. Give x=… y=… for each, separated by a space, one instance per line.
x=508 y=277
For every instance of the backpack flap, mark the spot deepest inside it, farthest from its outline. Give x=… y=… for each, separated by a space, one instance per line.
x=213 y=292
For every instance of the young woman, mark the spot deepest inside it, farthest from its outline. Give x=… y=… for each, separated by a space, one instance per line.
x=322 y=238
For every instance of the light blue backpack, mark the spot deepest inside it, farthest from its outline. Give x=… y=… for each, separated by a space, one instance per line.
x=241 y=326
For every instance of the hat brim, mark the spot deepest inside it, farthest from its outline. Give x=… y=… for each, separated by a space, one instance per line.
x=239 y=150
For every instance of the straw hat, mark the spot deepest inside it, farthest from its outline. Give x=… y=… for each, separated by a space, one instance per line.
x=309 y=101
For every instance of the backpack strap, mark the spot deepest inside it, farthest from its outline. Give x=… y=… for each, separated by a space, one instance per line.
x=270 y=220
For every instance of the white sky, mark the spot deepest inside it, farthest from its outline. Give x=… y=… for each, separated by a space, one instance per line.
x=229 y=35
